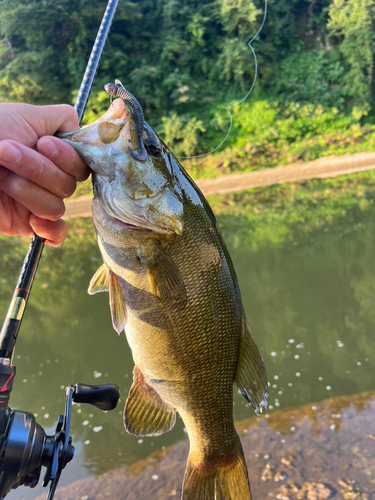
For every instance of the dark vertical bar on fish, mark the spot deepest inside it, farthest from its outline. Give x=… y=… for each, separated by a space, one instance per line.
x=12 y=323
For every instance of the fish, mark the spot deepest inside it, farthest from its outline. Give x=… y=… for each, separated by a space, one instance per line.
x=173 y=289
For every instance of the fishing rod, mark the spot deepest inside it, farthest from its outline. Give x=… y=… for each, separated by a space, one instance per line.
x=24 y=446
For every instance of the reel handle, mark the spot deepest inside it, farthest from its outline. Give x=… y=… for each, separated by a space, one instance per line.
x=105 y=397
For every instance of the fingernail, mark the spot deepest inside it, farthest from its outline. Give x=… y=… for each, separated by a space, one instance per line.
x=49 y=147
x=10 y=153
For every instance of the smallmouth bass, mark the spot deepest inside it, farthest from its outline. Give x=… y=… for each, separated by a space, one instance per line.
x=173 y=288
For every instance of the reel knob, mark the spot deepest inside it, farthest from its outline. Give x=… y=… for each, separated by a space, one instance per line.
x=105 y=397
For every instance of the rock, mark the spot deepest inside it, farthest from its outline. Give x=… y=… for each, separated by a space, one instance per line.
x=174 y=492
x=351 y=490
x=267 y=473
x=293 y=488
x=280 y=496
x=314 y=491
x=283 y=493
x=279 y=476
x=288 y=460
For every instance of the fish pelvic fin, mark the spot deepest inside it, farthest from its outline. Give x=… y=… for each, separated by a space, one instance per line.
x=251 y=376
x=227 y=479
x=117 y=304
x=163 y=275
x=100 y=281
x=146 y=414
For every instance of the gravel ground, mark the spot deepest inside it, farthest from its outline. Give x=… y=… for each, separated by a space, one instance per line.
x=313 y=452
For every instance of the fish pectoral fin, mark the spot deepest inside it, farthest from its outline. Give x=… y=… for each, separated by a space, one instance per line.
x=117 y=304
x=163 y=275
x=251 y=376
x=146 y=414
x=100 y=281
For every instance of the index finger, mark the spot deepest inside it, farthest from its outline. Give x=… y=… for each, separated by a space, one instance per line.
x=63 y=156
x=26 y=123
x=47 y=120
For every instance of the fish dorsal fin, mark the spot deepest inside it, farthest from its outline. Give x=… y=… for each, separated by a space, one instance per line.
x=117 y=304
x=251 y=376
x=163 y=275
x=146 y=414
x=100 y=281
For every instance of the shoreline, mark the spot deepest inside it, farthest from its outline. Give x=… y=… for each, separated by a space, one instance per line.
x=330 y=166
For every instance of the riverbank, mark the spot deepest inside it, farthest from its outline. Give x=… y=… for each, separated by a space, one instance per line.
x=313 y=452
x=331 y=166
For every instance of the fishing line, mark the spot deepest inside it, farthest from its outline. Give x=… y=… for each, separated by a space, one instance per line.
x=244 y=98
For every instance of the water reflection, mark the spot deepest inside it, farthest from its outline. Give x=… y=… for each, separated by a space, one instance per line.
x=310 y=306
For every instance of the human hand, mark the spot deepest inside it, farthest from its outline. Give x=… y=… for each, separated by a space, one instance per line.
x=37 y=171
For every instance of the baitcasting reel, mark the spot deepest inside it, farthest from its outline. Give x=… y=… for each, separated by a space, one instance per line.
x=24 y=446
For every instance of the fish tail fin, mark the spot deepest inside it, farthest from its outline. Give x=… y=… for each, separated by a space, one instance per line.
x=227 y=480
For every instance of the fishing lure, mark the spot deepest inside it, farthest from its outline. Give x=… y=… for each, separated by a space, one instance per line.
x=118 y=90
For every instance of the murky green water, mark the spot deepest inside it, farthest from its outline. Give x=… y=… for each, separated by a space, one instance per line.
x=310 y=303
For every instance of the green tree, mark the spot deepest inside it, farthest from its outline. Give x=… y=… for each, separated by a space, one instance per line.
x=353 y=22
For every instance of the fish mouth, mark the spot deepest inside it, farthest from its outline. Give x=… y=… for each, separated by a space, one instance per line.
x=142 y=229
x=138 y=226
x=131 y=227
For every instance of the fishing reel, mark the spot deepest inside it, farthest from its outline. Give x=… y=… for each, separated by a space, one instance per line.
x=24 y=446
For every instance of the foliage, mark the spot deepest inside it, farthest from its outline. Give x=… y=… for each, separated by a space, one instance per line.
x=179 y=53
x=44 y=46
x=354 y=22
x=186 y=61
x=314 y=77
x=269 y=133
x=181 y=133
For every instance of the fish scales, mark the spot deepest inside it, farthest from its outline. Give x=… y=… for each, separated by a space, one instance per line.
x=217 y=353
x=173 y=288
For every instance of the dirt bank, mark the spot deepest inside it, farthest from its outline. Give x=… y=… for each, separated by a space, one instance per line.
x=313 y=452
x=330 y=166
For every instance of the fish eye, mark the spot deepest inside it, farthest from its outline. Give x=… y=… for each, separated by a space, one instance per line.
x=153 y=148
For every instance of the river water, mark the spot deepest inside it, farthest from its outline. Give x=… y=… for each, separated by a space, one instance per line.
x=310 y=302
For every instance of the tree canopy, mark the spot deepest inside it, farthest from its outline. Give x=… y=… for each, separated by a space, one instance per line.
x=180 y=56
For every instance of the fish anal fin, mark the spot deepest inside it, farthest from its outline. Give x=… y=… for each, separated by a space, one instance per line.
x=117 y=304
x=100 y=281
x=163 y=275
x=146 y=414
x=251 y=376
